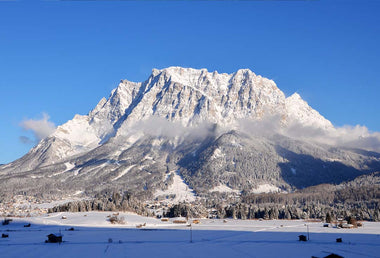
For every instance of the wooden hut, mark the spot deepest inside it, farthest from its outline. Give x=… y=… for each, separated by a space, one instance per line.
x=52 y=238
x=302 y=238
x=6 y=221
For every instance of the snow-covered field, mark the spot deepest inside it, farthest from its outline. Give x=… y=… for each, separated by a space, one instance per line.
x=210 y=238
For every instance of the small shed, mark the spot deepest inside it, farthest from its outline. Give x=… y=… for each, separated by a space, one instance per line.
x=302 y=238
x=6 y=221
x=52 y=238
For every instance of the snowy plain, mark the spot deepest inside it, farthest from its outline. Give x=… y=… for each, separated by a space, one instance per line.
x=211 y=238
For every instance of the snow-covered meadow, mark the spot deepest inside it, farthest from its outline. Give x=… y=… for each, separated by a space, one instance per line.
x=211 y=238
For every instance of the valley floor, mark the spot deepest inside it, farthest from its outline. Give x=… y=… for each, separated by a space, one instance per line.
x=93 y=233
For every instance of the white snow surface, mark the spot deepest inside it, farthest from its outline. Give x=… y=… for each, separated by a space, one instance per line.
x=223 y=189
x=69 y=166
x=178 y=188
x=211 y=238
x=265 y=188
x=125 y=171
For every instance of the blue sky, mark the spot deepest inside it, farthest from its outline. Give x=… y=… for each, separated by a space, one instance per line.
x=61 y=57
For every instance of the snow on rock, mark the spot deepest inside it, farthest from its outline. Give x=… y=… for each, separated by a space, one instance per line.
x=77 y=131
x=192 y=97
x=179 y=189
x=298 y=111
x=217 y=154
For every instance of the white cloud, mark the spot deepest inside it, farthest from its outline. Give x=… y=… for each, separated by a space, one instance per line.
x=358 y=137
x=346 y=136
x=41 y=128
x=159 y=127
x=267 y=126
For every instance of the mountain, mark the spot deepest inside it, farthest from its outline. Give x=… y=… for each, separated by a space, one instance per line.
x=188 y=129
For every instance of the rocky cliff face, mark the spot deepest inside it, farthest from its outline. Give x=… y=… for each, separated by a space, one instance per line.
x=211 y=128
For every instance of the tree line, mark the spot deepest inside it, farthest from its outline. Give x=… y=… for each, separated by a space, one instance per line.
x=106 y=201
x=319 y=202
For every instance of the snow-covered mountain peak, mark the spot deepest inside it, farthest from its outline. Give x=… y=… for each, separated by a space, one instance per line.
x=183 y=71
x=244 y=72
x=98 y=107
x=210 y=129
x=299 y=111
x=295 y=97
x=185 y=76
x=222 y=83
x=191 y=97
x=186 y=96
